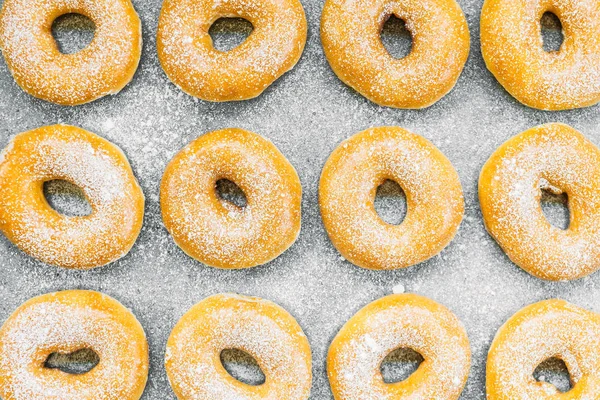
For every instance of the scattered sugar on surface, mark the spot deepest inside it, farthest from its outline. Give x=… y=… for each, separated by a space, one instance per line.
x=306 y=113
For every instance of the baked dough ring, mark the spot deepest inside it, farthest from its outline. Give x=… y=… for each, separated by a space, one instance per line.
x=350 y=33
x=554 y=157
x=88 y=161
x=512 y=47
x=551 y=328
x=393 y=322
x=260 y=328
x=65 y=322
x=104 y=67
x=217 y=232
x=186 y=52
x=349 y=182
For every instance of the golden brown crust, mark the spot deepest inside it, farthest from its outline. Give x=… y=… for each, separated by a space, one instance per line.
x=558 y=158
x=64 y=322
x=216 y=232
x=393 y=322
x=104 y=67
x=88 y=161
x=512 y=48
x=347 y=191
x=350 y=33
x=187 y=55
x=260 y=328
x=551 y=328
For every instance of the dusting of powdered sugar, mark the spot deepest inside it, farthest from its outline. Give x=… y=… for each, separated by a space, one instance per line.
x=56 y=324
x=306 y=113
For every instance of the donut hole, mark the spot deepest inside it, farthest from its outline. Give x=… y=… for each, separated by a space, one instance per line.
x=400 y=364
x=66 y=198
x=242 y=366
x=73 y=32
x=390 y=202
x=552 y=32
x=231 y=193
x=554 y=371
x=229 y=33
x=76 y=363
x=555 y=206
x=396 y=38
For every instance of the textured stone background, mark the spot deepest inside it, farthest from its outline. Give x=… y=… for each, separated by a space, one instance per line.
x=307 y=113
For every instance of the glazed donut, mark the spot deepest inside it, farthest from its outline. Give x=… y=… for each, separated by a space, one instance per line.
x=512 y=47
x=104 y=67
x=349 y=182
x=65 y=322
x=551 y=328
x=557 y=158
x=393 y=322
x=350 y=33
x=86 y=160
x=217 y=232
x=186 y=52
x=260 y=328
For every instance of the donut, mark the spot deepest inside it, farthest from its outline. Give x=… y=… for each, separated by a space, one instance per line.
x=512 y=47
x=548 y=329
x=258 y=327
x=219 y=233
x=350 y=34
x=88 y=161
x=349 y=182
x=65 y=322
x=557 y=158
x=104 y=67
x=188 y=57
x=394 y=322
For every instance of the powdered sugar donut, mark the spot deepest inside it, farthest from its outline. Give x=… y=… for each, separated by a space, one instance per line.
x=215 y=231
x=260 y=328
x=104 y=67
x=551 y=328
x=393 y=322
x=86 y=160
x=350 y=33
x=350 y=178
x=554 y=157
x=186 y=52
x=65 y=322
x=512 y=47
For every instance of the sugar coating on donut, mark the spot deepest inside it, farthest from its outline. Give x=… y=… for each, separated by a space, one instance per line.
x=551 y=328
x=195 y=66
x=57 y=323
x=512 y=47
x=215 y=231
x=399 y=321
x=257 y=326
x=104 y=67
x=347 y=192
x=98 y=168
x=350 y=32
x=552 y=157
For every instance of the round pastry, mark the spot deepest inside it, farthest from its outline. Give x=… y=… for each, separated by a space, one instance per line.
x=258 y=327
x=88 y=161
x=35 y=61
x=512 y=47
x=215 y=231
x=557 y=158
x=349 y=182
x=350 y=33
x=394 y=322
x=548 y=329
x=63 y=323
x=187 y=54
